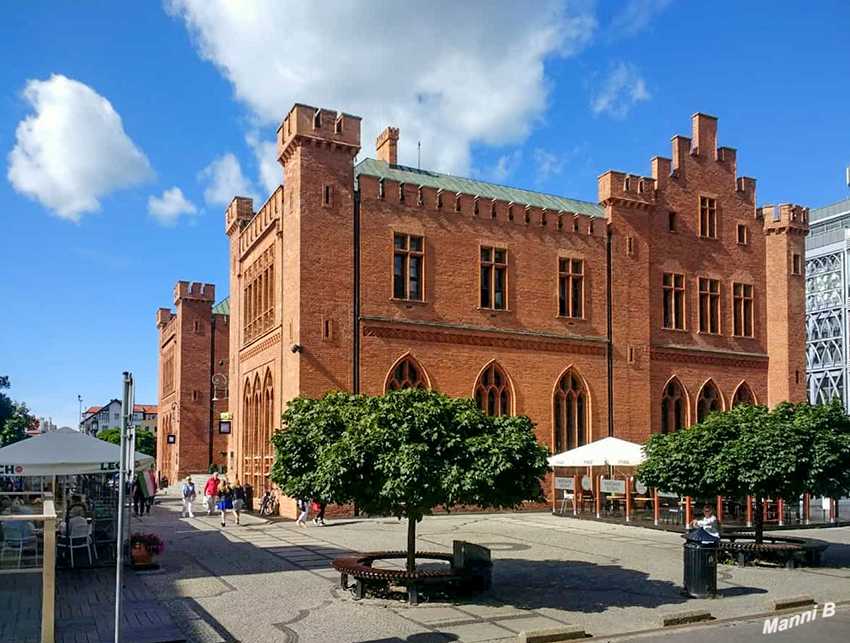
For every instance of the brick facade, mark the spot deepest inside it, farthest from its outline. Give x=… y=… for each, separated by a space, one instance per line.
x=328 y=318
x=192 y=340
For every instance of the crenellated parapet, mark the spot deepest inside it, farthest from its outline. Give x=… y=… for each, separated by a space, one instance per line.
x=238 y=214
x=265 y=218
x=627 y=189
x=788 y=218
x=185 y=290
x=319 y=127
x=163 y=317
x=432 y=201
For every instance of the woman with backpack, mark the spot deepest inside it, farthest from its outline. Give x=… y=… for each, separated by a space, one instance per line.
x=225 y=500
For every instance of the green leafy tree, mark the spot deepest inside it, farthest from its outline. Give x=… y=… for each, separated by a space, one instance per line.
x=7 y=406
x=753 y=451
x=14 y=428
x=145 y=440
x=405 y=453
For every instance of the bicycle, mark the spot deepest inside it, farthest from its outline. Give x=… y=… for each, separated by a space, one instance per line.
x=268 y=505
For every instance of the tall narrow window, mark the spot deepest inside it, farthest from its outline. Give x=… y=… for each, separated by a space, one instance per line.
x=796 y=264
x=673 y=407
x=742 y=310
x=494 y=278
x=408 y=256
x=492 y=391
x=570 y=287
x=674 y=301
x=742 y=234
x=708 y=217
x=708 y=401
x=671 y=221
x=406 y=374
x=709 y=305
x=571 y=409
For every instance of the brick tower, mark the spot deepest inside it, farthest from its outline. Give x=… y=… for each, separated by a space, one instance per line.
x=786 y=228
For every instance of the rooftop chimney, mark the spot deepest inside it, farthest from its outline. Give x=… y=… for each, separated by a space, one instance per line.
x=386 y=145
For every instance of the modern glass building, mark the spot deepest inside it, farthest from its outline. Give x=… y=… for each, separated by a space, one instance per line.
x=827 y=299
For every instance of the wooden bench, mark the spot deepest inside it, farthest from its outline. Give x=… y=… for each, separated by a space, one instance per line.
x=785 y=550
x=466 y=572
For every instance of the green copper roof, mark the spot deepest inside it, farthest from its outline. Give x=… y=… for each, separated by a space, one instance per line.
x=222 y=307
x=456 y=184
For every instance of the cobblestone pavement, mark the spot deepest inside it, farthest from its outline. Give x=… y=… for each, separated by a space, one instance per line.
x=273 y=581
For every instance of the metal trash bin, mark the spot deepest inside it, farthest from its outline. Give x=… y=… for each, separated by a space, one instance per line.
x=700 y=558
x=249 y=497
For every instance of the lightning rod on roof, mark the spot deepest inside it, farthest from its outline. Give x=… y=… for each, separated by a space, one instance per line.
x=419 y=160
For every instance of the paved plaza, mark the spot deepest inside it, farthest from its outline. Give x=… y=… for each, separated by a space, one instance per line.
x=272 y=581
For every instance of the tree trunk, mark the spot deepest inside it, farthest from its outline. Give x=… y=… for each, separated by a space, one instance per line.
x=411 y=545
x=758 y=519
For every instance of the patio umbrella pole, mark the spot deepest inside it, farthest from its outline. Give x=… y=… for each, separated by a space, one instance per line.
x=126 y=409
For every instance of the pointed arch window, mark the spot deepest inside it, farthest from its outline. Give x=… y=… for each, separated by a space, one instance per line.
x=571 y=412
x=673 y=407
x=493 y=391
x=268 y=422
x=743 y=396
x=406 y=374
x=709 y=400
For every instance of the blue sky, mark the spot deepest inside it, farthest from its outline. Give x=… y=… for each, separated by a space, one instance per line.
x=125 y=128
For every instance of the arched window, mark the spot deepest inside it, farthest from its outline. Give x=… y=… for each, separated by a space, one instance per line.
x=673 y=407
x=709 y=400
x=268 y=412
x=257 y=422
x=493 y=391
x=245 y=426
x=571 y=411
x=406 y=373
x=743 y=395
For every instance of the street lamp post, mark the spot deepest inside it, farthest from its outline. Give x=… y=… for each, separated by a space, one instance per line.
x=80 y=400
x=219 y=383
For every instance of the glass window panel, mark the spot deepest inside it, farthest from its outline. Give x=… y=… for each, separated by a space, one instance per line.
x=415 y=278
x=400 y=241
x=399 y=277
x=416 y=244
x=501 y=256
x=499 y=290
x=486 y=272
x=486 y=254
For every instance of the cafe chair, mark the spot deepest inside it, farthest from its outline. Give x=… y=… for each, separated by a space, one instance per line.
x=78 y=538
x=18 y=543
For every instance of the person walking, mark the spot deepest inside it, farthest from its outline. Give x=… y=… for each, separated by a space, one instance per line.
x=188 y=497
x=138 y=497
x=225 y=501
x=319 y=520
x=211 y=493
x=304 y=508
x=238 y=499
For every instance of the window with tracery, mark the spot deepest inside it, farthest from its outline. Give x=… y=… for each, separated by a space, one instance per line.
x=709 y=401
x=744 y=396
x=673 y=407
x=406 y=374
x=571 y=411
x=258 y=296
x=492 y=391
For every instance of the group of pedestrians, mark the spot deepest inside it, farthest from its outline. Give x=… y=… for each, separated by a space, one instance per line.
x=218 y=494
x=222 y=496
x=304 y=512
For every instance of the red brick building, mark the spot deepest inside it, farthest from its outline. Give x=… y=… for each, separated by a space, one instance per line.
x=193 y=347
x=672 y=296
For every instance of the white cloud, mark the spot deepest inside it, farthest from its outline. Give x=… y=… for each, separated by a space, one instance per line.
x=548 y=164
x=168 y=208
x=271 y=172
x=449 y=74
x=505 y=167
x=73 y=150
x=636 y=16
x=224 y=180
x=623 y=89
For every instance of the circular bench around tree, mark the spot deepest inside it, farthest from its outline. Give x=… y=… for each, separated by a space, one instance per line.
x=465 y=574
x=788 y=551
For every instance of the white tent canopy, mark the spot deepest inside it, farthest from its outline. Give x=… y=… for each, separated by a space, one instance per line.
x=608 y=451
x=64 y=452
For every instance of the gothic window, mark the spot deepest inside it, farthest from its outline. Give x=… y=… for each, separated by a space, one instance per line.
x=493 y=392
x=268 y=422
x=246 y=433
x=708 y=401
x=571 y=412
x=743 y=395
x=406 y=374
x=493 y=264
x=742 y=309
x=673 y=407
x=708 y=217
x=570 y=287
x=673 y=303
x=408 y=262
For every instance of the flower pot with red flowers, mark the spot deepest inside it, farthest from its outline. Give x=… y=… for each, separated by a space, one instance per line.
x=143 y=548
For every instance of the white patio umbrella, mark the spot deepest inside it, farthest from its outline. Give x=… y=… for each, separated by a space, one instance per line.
x=608 y=451
x=64 y=452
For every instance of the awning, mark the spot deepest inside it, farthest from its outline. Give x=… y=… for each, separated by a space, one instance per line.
x=64 y=452
x=608 y=451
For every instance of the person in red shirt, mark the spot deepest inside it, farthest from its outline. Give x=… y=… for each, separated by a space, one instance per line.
x=211 y=493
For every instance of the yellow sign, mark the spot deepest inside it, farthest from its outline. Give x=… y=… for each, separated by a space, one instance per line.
x=225 y=416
